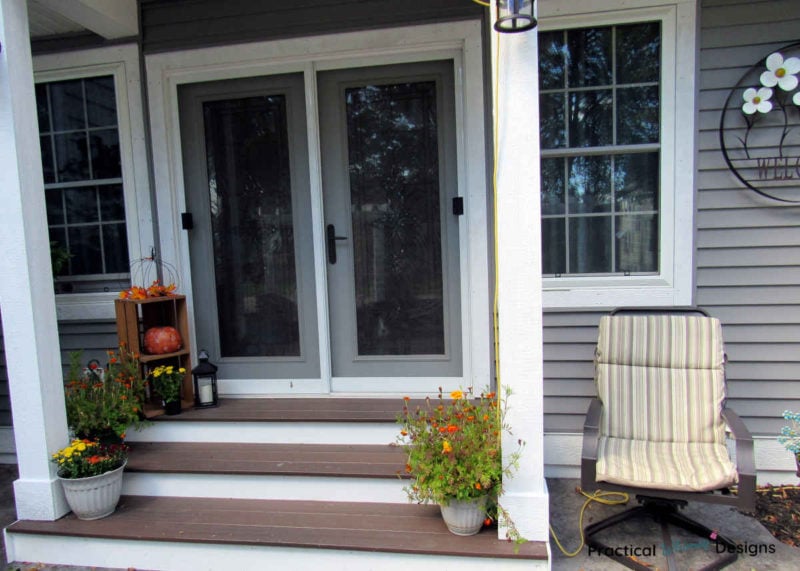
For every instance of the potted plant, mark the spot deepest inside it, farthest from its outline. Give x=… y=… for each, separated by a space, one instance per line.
x=103 y=403
x=790 y=436
x=91 y=476
x=167 y=381
x=454 y=456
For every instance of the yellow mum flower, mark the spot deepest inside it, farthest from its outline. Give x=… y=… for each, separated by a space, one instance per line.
x=455 y=395
x=446 y=448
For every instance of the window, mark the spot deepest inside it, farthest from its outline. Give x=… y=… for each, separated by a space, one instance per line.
x=79 y=140
x=599 y=90
x=616 y=191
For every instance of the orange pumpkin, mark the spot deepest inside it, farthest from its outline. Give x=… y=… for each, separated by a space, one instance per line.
x=161 y=340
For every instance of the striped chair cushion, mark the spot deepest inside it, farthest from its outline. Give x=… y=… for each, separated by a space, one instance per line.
x=662 y=384
x=692 y=467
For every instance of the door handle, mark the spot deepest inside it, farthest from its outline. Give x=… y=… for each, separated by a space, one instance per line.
x=330 y=233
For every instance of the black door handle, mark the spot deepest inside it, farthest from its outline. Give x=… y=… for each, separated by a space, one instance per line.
x=330 y=233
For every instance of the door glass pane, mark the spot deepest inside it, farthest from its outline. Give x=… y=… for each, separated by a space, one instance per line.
x=393 y=162
x=247 y=148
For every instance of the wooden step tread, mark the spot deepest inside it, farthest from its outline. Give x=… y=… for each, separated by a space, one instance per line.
x=345 y=460
x=295 y=410
x=395 y=528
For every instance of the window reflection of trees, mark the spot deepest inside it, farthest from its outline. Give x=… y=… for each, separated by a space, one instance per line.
x=393 y=146
x=600 y=91
x=249 y=182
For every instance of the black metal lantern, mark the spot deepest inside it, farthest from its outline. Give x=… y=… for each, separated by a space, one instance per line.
x=205 y=382
x=514 y=16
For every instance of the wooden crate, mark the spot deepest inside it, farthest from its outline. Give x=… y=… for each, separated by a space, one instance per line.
x=135 y=316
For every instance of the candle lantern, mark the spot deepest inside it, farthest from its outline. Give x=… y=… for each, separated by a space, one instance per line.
x=205 y=382
x=514 y=16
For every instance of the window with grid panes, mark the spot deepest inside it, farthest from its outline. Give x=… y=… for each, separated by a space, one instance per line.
x=600 y=158
x=83 y=181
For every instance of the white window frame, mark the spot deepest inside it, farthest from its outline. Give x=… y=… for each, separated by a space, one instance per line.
x=121 y=62
x=673 y=285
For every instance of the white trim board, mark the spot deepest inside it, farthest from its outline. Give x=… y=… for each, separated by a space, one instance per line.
x=459 y=41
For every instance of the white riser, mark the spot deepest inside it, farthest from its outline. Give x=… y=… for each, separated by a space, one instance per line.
x=313 y=488
x=268 y=432
x=200 y=557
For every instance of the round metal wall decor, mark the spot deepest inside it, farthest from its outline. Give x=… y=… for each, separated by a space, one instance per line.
x=759 y=131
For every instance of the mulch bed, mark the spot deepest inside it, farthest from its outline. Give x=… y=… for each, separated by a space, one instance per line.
x=778 y=509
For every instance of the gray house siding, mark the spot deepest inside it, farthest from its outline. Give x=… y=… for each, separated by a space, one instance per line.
x=747 y=249
x=179 y=24
x=94 y=338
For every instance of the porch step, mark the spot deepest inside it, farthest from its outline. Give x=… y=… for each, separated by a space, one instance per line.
x=201 y=533
x=329 y=420
x=335 y=460
x=370 y=473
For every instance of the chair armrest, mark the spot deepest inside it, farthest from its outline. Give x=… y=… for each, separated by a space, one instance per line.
x=591 y=433
x=745 y=460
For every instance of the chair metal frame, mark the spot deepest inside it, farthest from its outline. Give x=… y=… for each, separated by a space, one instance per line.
x=663 y=505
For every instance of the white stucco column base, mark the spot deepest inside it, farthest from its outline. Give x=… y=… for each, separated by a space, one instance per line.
x=27 y=304
x=520 y=278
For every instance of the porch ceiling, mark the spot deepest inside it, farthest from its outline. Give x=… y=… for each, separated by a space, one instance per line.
x=109 y=19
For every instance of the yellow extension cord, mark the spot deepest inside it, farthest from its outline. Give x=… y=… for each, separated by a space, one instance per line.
x=599 y=497
x=606 y=498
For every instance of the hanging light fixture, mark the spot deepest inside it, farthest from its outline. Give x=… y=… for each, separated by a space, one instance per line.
x=514 y=16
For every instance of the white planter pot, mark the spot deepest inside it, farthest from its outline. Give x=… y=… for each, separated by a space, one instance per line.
x=465 y=517
x=96 y=496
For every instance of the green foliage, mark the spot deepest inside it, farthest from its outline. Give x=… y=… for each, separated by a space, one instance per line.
x=59 y=256
x=454 y=449
x=84 y=458
x=167 y=382
x=98 y=400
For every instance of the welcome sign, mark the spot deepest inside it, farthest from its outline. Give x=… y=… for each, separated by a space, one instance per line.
x=760 y=126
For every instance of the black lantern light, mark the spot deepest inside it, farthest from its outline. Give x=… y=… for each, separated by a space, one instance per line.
x=514 y=16
x=205 y=382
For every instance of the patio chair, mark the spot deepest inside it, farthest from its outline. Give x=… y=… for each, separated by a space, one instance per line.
x=657 y=428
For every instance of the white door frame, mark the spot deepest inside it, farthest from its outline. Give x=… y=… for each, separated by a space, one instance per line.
x=459 y=41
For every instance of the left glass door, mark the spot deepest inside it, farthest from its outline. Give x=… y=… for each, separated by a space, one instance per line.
x=245 y=160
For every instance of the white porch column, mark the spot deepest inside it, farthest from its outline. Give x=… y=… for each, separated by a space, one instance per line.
x=520 y=276
x=27 y=304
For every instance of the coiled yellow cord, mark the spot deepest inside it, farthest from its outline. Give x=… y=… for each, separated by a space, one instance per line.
x=599 y=497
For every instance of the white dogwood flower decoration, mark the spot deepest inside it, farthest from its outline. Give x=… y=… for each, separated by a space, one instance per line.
x=780 y=72
x=757 y=100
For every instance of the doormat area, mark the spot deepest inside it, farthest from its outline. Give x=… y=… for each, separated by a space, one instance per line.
x=778 y=509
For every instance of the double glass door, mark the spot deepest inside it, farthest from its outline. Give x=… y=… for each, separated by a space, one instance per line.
x=389 y=241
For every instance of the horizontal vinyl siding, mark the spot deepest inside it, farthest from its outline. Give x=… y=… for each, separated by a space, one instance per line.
x=180 y=24
x=94 y=338
x=748 y=247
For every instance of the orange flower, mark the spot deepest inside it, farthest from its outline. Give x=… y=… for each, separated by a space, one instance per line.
x=485 y=417
x=478 y=486
x=406 y=399
x=408 y=467
x=113 y=359
x=487 y=521
x=404 y=432
x=470 y=418
x=456 y=395
x=442 y=429
x=490 y=395
x=452 y=428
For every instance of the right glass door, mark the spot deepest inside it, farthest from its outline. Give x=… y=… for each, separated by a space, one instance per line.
x=389 y=179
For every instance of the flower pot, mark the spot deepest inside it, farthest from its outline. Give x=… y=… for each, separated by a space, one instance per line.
x=172 y=407
x=465 y=517
x=96 y=496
